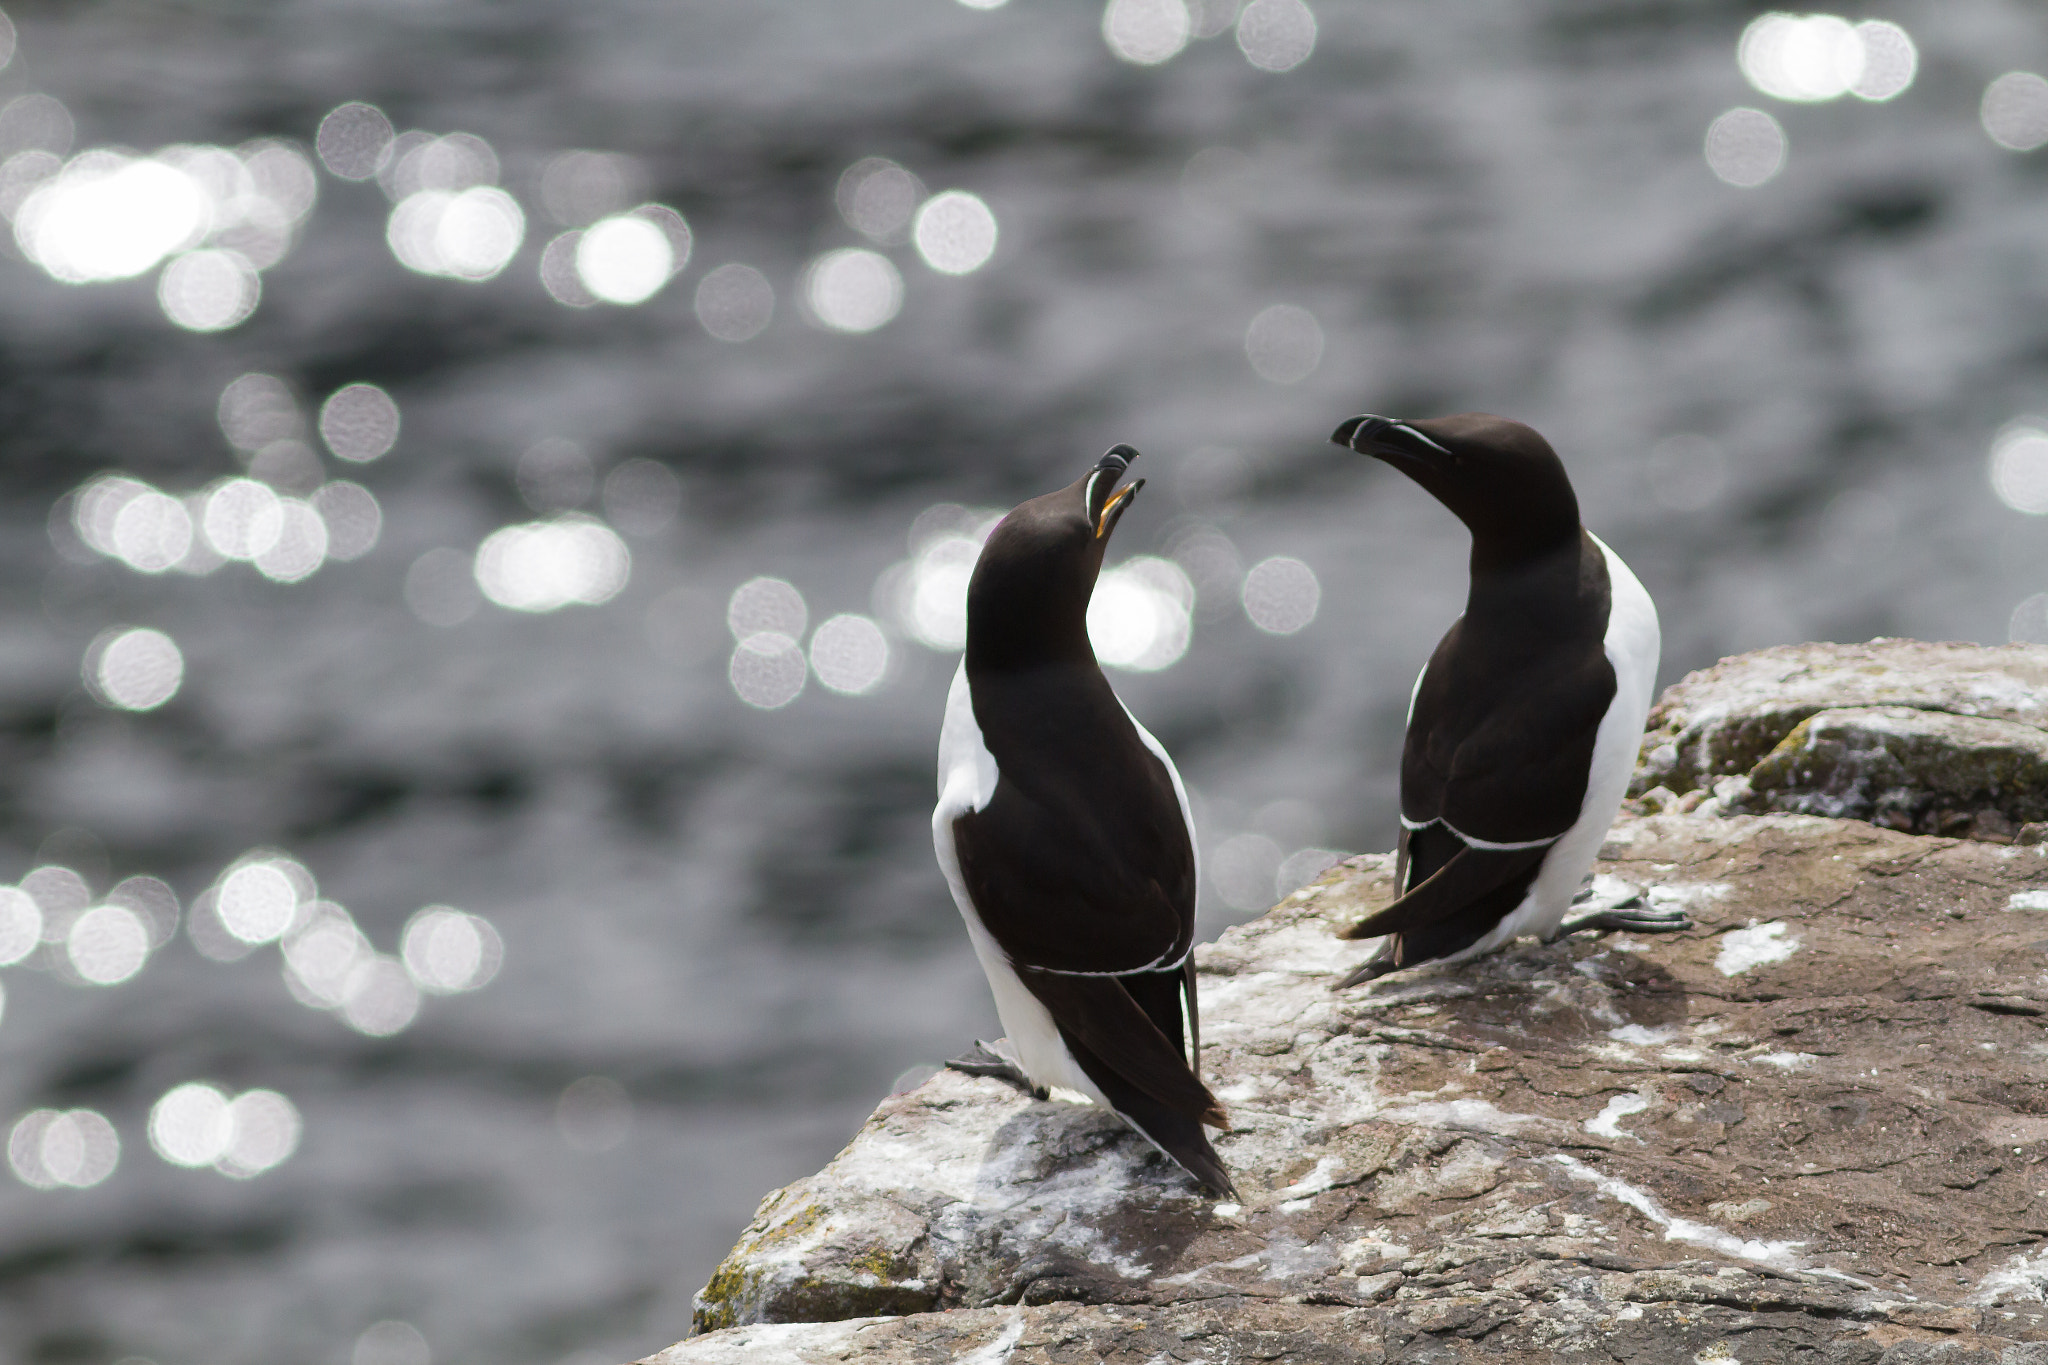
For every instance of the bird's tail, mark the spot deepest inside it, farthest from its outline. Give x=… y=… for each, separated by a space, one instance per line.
x=1114 y=1036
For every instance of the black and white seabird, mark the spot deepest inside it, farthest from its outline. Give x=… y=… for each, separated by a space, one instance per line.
x=1524 y=724
x=1064 y=832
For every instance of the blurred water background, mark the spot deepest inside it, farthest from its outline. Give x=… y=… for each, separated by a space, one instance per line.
x=485 y=488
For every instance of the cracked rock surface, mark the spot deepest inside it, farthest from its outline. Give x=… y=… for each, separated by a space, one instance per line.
x=1930 y=738
x=1810 y=1128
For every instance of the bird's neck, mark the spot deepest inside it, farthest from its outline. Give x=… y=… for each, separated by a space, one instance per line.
x=1519 y=590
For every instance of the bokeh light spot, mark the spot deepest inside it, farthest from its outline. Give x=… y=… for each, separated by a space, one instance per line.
x=152 y=532
x=379 y=998
x=1745 y=147
x=544 y=566
x=1140 y=617
x=108 y=216
x=642 y=497
x=189 y=1125
x=1890 y=61
x=2019 y=467
x=624 y=260
x=1276 y=35
x=263 y=1131
x=2028 y=624
x=770 y=605
x=320 y=951
x=134 y=668
x=209 y=291
x=955 y=232
x=1281 y=595
x=256 y=409
x=853 y=290
x=53 y=1148
x=1284 y=344
x=354 y=141
x=850 y=654
x=2014 y=111
x=21 y=925
x=1146 y=32
x=735 y=302
x=352 y=517
x=767 y=671
x=301 y=544
x=107 y=944
x=359 y=423
x=448 y=951
x=257 y=902
x=467 y=234
x=877 y=198
x=1804 y=58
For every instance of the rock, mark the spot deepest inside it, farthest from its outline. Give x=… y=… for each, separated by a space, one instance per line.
x=1936 y=739
x=1813 y=1127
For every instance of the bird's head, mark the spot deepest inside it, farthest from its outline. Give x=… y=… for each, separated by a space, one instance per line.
x=1028 y=600
x=1500 y=478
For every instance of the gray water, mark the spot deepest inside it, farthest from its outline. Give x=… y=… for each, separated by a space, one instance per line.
x=733 y=913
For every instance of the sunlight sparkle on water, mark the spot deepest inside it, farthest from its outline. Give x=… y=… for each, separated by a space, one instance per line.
x=107 y=944
x=1276 y=35
x=107 y=216
x=379 y=997
x=735 y=302
x=256 y=409
x=448 y=951
x=853 y=289
x=1745 y=147
x=543 y=566
x=359 y=423
x=196 y=1125
x=850 y=654
x=877 y=198
x=1811 y=58
x=767 y=670
x=1140 y=617
x=133 y=668
x=151 y=532
x=209 y=291
x=352 y=517
x=2019 y=466
x=354 y=141
x=1146 y=32
x=301 y=544
x=257 y=901
x=21 y=925
x=624 y=260
x=766 y=605
x=469 y=234
x=1281 y=595
x=1284 y=344
x=51 y=1148
x=243 y=518
x=2014 y=111
x=320 y=951
x=955 y=232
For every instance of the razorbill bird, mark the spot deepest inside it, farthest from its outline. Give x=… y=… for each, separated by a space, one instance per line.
x=1524 y=724
x=1064 y=832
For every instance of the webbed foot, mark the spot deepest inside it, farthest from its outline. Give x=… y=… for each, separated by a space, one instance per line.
x=984 y=1060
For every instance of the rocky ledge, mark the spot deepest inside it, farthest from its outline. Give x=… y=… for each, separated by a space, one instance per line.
x=1811 y=1128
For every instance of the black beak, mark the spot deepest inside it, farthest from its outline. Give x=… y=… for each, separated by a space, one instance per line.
x=1106 y=508
x=1387 y=438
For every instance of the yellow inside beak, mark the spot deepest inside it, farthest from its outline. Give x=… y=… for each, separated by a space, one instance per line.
x=1102 y=522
